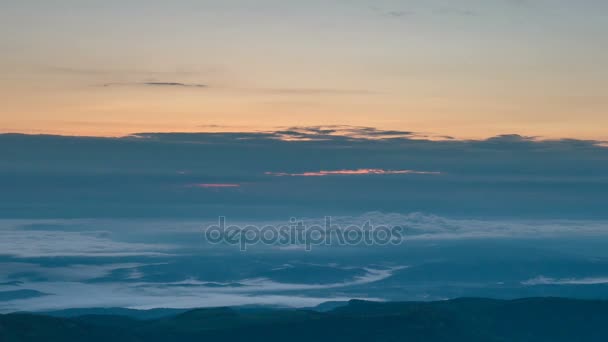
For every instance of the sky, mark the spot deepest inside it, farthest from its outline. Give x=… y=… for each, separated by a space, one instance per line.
x=128 y=127
x=466 y=69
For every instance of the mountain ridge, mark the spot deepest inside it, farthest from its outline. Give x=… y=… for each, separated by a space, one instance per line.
x=462 y=319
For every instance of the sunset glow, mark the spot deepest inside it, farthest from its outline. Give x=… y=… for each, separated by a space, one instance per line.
x=357 y=172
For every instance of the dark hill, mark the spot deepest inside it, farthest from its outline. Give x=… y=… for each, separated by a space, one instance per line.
x=467 y=319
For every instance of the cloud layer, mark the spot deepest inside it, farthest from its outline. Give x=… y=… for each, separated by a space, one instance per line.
x=166 y=175
x=149 y=263
x=158 y=84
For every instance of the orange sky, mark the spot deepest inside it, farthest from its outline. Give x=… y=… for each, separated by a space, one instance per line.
x=478 y=70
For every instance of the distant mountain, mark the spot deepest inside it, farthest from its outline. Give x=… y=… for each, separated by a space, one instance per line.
x=468 y=319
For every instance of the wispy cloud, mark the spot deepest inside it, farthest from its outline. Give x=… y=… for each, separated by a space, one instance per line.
x=19 y=243
x=73 y=272
x=371 y=276
x=420 y=226
x=78 y=295
x=158 y=84
x=357 y=172
x=542 y=280
x=258 y=285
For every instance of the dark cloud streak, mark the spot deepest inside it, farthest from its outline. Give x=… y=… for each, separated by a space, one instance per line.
x=158 y=84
